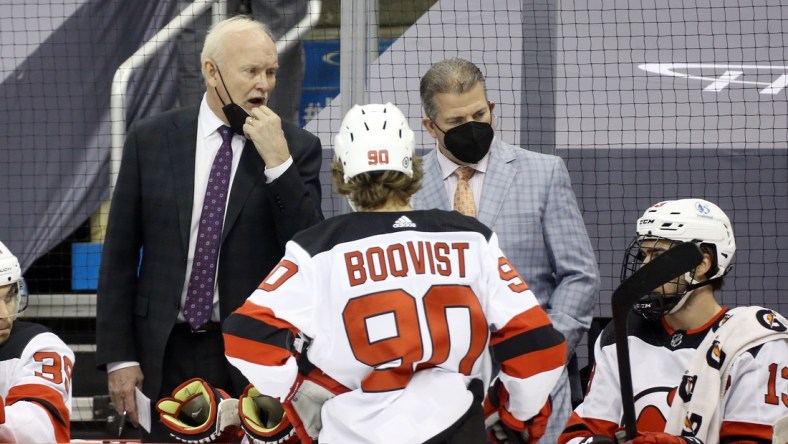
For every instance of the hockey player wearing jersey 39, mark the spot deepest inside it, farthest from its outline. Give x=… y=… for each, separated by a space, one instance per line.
x=701 y=373
x=397 y=309
x=35 y=368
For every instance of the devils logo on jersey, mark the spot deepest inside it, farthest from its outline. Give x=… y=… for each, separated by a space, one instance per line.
x=687 y=386
x=768 y=319
x=715 y=357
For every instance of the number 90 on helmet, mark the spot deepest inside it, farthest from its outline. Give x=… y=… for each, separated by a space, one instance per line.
x=374 y=137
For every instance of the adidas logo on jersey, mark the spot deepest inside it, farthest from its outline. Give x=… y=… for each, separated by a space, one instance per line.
x=404 y=222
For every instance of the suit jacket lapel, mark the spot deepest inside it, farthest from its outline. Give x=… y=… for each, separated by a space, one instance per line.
x=433 y=192
x=251 y=171
x=497 y=182
x=181 y=144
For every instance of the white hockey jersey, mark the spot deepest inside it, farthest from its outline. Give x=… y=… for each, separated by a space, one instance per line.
x=403 y=309
x=35 y=384
x=755 y=393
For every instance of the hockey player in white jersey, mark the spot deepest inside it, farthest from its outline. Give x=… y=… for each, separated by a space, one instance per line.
x=35 y=368
x=400 y=312
x=701 y=373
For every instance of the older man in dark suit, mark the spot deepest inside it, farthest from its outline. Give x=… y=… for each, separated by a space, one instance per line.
x=206 y=198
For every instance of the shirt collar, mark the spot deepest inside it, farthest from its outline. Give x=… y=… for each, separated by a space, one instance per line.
x=448 y=167
x=209 y=122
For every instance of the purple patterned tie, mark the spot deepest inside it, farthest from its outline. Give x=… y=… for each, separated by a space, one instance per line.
x=199 y=296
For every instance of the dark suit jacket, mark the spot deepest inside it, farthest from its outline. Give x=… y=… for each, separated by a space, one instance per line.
x=151 y=209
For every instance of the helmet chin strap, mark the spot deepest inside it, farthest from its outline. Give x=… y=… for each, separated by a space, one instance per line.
x=692 y=285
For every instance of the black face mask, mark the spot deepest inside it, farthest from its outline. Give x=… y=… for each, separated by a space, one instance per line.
x=235 y=114
x=468 y=142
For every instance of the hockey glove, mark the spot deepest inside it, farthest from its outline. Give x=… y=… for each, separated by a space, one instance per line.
x=310 y=391
x=663 y=438
x=263 y=419
x=505 y=428
x=199 y=413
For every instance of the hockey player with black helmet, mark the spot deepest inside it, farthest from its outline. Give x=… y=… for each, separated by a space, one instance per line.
x=701 y=373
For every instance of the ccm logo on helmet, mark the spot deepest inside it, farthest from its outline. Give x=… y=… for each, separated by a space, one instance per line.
x=646 y=221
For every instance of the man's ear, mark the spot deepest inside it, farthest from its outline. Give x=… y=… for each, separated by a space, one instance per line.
x=702 y=270
x=210 y=73
x=429 y=125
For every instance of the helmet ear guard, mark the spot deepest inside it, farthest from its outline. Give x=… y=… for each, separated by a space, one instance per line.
x=677 y=221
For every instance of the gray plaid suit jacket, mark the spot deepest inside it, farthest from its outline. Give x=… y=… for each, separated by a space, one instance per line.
x=527 y=199
x=151 y=209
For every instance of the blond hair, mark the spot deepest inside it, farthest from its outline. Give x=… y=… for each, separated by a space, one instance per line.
x=373 y=190
x=214 y=47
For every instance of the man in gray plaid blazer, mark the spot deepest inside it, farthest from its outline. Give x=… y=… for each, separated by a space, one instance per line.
x=525 y=197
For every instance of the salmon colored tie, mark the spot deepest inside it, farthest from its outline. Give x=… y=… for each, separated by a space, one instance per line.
x=463 y=196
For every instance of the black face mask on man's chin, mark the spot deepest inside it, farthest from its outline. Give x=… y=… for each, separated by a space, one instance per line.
x=469 y=142
x=236 y=115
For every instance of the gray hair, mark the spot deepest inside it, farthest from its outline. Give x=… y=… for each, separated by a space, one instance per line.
x=454 y=76
x=214 y=48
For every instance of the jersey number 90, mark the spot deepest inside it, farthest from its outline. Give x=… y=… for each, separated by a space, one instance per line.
x=397 y=357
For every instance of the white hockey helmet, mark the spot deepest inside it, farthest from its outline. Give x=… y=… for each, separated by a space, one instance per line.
x=692 y=220
x=684 y=220
x=11 y=273
x=374 y=137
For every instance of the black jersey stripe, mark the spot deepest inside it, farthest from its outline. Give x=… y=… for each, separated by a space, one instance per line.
x=351 y=227
x=245 y=327
x=48 y=407
x=540 y=338
x=653 y=333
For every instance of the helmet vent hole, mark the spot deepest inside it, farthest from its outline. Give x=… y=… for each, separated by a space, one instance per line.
x=385 y=123
x=366 y=126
